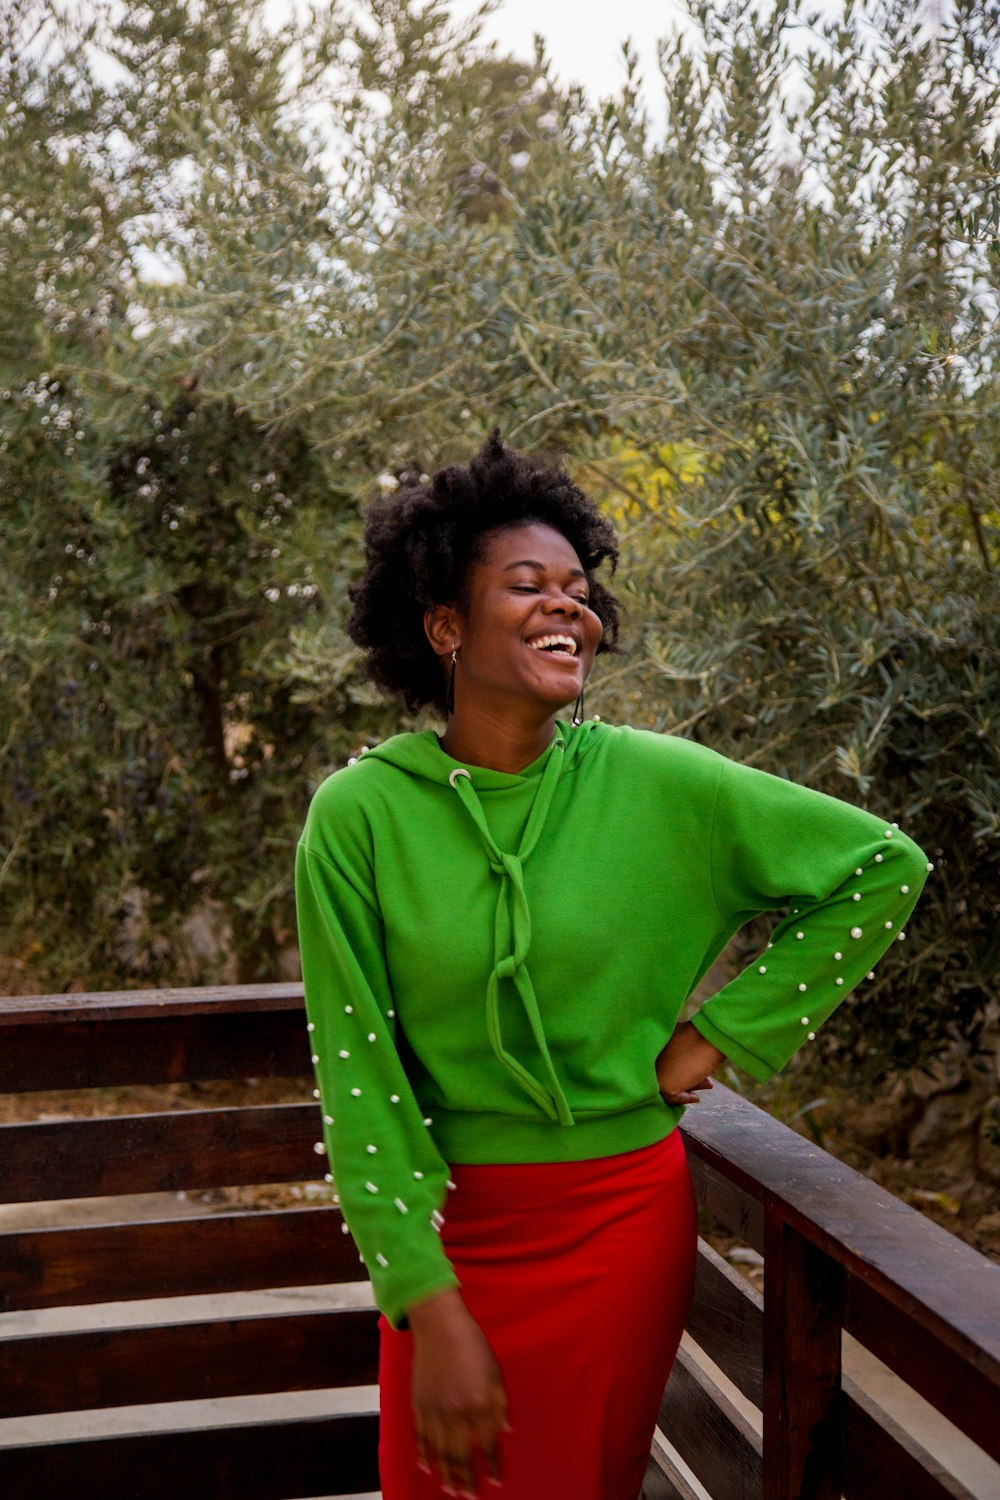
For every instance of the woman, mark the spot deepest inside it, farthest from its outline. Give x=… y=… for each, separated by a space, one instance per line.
x=498 y=928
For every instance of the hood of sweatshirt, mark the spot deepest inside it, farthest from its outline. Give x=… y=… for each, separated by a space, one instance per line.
x=421 y=755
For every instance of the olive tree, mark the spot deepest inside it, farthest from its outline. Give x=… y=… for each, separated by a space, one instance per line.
x=328 y=257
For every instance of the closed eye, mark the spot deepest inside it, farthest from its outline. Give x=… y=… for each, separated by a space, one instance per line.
x=528 y=588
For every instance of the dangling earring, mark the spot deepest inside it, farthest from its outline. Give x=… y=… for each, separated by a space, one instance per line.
x=578 y=710
x=450 y=699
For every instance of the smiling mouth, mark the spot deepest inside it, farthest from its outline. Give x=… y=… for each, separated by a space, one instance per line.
x=562 y=646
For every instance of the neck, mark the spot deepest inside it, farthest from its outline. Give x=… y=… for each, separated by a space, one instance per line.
x=496 y=741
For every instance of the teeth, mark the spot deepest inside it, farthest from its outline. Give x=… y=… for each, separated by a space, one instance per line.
x=554 y=640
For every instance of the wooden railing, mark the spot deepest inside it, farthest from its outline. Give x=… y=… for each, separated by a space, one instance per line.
x=839 y=1254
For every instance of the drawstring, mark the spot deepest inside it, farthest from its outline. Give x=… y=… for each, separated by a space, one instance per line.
x=512 y=936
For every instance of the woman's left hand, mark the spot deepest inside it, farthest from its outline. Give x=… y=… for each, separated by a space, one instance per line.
x=684 y=1065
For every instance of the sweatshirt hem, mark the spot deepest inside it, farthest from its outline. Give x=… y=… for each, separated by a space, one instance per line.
x=495 y=1139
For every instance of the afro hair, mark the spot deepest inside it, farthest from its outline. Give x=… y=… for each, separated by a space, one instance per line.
x=422 y=542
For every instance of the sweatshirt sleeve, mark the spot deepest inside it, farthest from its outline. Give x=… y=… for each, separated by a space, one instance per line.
x=851 y=881
x=390 y=1177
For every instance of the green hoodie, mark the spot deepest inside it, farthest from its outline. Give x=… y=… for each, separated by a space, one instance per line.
x=492 y=962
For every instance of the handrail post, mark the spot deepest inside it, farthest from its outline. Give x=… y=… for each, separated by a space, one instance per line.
x=803 y=1295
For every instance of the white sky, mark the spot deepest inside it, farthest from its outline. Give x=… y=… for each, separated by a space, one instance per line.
x=584 y=39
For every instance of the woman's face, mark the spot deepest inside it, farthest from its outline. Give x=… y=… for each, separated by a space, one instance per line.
x=529 y=633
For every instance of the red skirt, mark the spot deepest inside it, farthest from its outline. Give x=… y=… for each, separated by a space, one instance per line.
x=580 y=1275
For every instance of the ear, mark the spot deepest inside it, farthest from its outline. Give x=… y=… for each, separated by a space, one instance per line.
x=443 y=627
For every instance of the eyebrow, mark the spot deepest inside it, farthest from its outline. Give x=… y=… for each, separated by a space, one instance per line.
x=527 y=562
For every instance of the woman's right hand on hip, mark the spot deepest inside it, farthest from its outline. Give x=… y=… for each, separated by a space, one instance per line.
x=458 y=1395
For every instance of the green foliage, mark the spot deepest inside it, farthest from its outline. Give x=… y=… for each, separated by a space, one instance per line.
x=248 y=275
